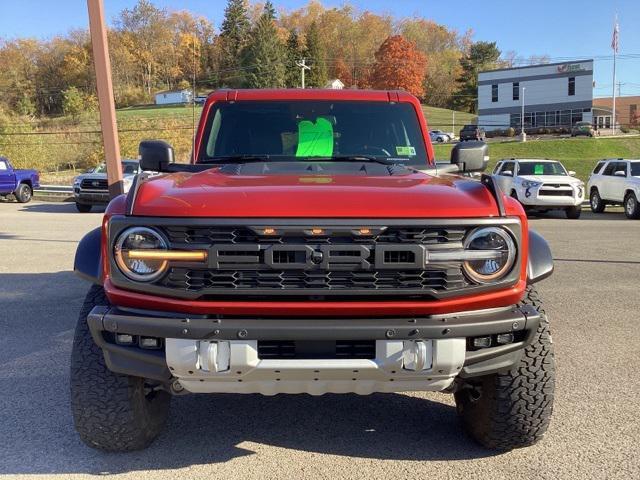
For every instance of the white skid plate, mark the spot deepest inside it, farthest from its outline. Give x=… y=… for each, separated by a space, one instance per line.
x=204 y=366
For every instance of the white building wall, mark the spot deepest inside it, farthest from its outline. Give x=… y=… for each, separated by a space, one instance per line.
x=546 y=89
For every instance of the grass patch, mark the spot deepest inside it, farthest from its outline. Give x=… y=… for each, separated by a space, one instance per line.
x=578 y=154
x=442 y=119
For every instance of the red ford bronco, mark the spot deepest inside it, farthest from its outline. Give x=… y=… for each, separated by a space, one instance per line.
x=312 y=246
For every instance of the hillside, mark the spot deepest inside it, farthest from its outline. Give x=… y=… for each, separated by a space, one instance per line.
x=442 y=119
x=578 y=154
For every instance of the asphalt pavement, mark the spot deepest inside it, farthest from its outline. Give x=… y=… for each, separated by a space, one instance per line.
x=593 y=301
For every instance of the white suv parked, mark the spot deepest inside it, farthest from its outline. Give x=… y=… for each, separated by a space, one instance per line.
x=616 y=181
x=541 y=185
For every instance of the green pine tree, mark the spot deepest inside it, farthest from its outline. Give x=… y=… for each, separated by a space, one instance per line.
x=316 y=58
x=234 y=35
x=264 y=57
x=293 y=56
x=481 y=56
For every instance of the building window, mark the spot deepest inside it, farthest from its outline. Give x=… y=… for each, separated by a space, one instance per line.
x=572 y=86
x=515 y=120
x=494 y=93
x=516 y=90
x=576 y=116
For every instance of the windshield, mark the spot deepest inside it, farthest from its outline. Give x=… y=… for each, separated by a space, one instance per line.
x=635 y=169
x=541 y=168
x=127 y=168
x=303 y=130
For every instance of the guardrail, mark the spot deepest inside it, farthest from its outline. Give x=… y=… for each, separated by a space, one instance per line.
x=59 y=193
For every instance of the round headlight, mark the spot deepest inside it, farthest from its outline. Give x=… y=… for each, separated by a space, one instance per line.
x=136 y=239
x=500 y=254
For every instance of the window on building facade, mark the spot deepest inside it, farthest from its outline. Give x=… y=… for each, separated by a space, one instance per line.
x=515 y=120
x=572 y=86
x=494 y=93
x=516 y=90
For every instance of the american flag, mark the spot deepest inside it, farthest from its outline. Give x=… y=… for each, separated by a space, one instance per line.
x=615 y=41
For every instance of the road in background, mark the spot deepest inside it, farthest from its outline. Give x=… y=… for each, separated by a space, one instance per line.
x=592 y=300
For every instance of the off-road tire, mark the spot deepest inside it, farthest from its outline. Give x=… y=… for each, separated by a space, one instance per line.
x=596 y=202
x=513 y=409
x=23 y=193
x=83 y=207
x=573 y=213
x=111 y=412
x=631 y=206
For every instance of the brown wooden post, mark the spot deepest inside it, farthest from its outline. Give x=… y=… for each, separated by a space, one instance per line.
x=104 y=85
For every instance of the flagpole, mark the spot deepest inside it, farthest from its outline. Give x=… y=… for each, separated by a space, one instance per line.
x=615 y=54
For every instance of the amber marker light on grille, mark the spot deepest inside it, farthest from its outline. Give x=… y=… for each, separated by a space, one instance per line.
x=317 y=231
x=365 y=231
x=175 y=255
x=269 y=231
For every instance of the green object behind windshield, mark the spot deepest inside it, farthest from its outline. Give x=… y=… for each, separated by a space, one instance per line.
x=315 y=139
x=538 y=169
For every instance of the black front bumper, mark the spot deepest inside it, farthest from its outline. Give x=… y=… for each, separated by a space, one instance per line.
x=106 y=321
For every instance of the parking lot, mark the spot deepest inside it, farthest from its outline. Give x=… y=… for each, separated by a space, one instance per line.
x=592 y=300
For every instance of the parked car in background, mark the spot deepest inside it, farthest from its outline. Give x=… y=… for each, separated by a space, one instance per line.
x=19 y=183
x=438 y=137
x=541 y=185
x=472 y=132
x=449 y=135
x=584 y=129
x=615 y=182
x=91 y=188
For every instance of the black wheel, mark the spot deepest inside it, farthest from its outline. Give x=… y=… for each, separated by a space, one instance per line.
x=631 y=207
x=111 y=412
x=513 y=409
x=596 y=202
x=23 y=193
x=573 y=213
x=83 y=208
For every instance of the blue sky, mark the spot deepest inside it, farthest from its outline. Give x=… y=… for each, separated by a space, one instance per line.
x=562 y=29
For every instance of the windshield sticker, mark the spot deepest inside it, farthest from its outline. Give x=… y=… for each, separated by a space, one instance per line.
x=315 y=139
x=407 y=151
x=538 y=169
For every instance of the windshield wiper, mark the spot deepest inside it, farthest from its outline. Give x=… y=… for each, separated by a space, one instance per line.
x=350 y=158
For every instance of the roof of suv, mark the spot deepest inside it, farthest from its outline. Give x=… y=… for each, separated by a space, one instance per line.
x=311 y=94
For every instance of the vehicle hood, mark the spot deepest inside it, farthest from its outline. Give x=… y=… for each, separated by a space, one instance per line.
x=562 y=179
x=213 y=193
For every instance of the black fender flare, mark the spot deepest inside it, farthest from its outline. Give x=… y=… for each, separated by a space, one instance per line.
x=540 y=261
x=88 y=262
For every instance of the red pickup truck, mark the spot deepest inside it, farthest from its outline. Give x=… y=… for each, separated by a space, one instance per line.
x=312 y=246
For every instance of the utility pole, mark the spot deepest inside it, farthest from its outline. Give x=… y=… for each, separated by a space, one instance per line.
x=453 y=122
x=303 y=66
x=523 y=135
x=106 y=104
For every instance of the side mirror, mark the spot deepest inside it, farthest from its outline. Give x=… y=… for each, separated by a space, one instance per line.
x=155 y=155
x=620 y=173
x=506 y=173
x=470 y=156
x=572 y=173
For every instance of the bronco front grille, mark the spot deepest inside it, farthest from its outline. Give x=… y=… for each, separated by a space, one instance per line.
x=313 y=259
x=201 y=280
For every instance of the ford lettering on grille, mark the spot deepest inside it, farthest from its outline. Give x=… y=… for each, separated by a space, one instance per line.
x=317 y=257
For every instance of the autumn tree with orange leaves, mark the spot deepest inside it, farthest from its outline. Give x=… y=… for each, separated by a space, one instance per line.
x=399 y=66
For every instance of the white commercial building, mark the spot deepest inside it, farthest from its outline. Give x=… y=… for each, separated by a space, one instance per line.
x=555 y=95
x=173 y=96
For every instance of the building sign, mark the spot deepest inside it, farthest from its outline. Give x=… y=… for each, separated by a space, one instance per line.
x=571 y=67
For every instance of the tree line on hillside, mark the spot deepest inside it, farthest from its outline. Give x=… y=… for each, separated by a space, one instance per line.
x=154 y=49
